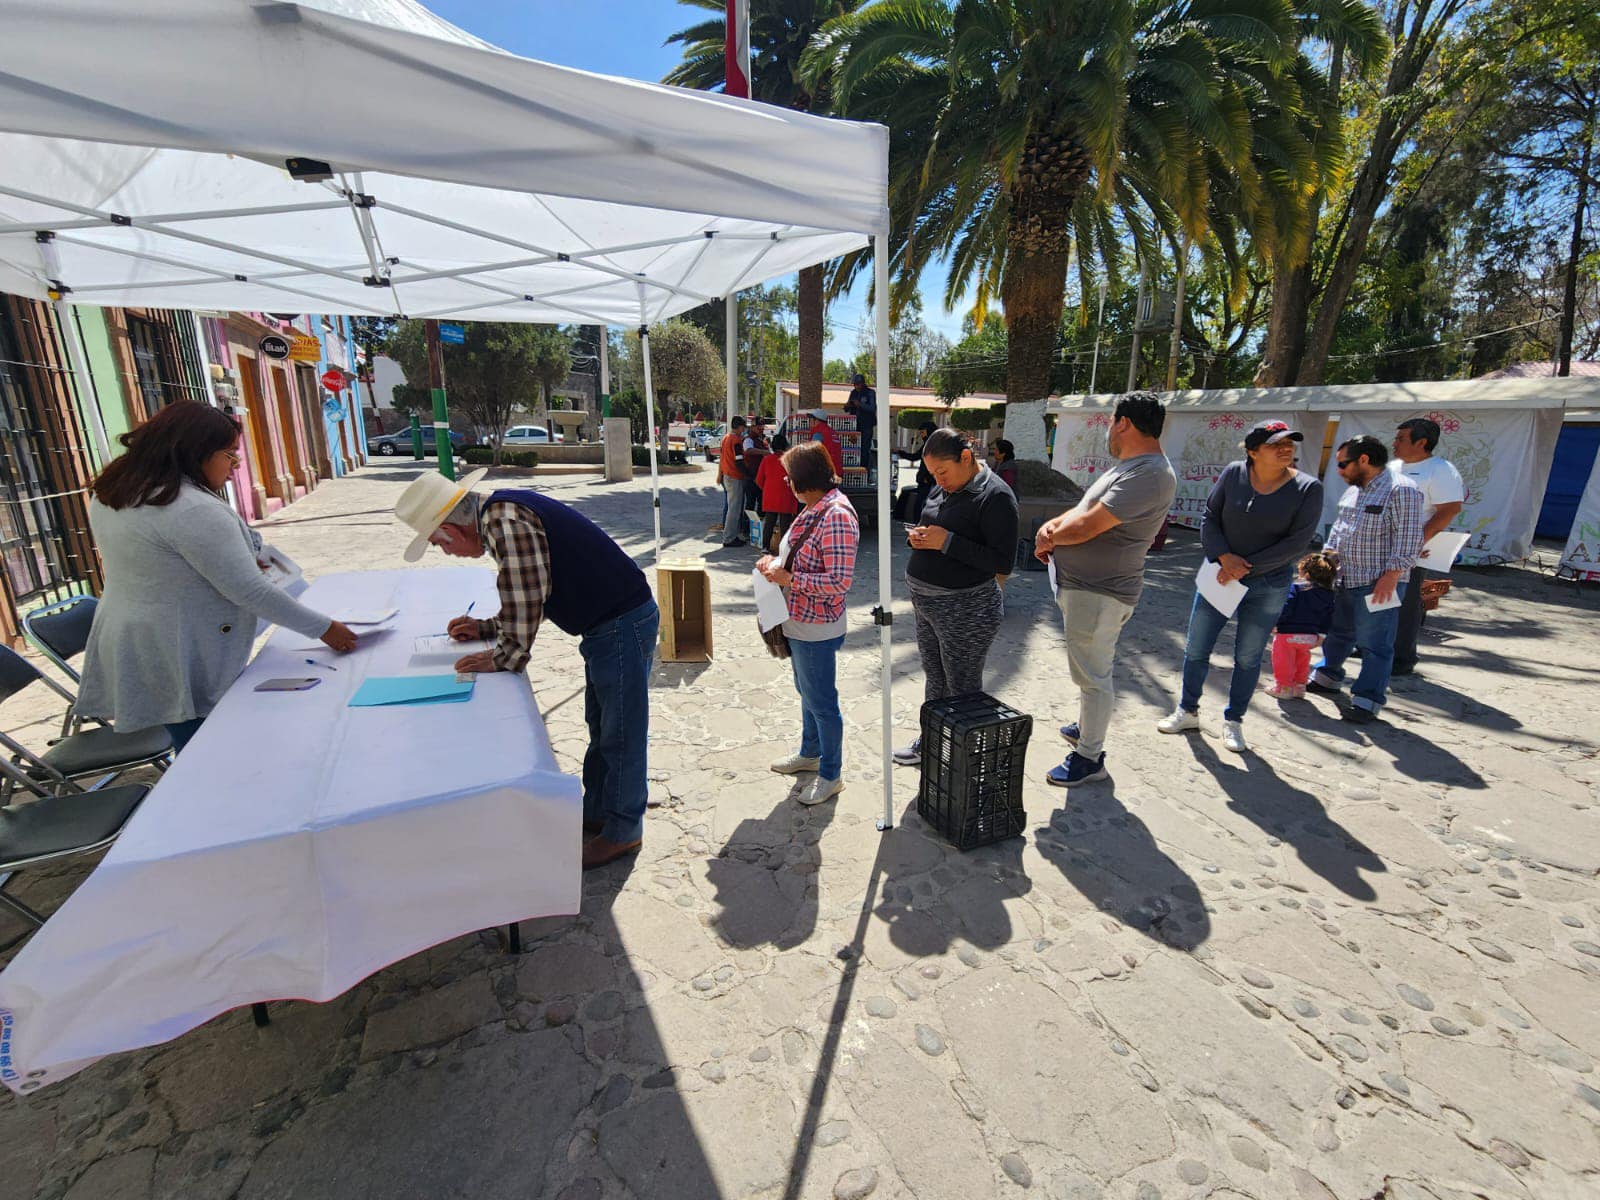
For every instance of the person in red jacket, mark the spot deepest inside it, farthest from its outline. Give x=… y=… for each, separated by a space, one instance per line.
x=778 y=504
x=821 y=431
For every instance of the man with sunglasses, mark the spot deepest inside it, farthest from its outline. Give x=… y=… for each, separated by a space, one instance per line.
x=1377 y=537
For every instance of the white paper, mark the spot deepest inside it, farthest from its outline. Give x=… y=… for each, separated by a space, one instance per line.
x=772 y=606
x=369 y=616
x=1442 y=549
x=440 y=652
x=1224 y=597
x=1050 y=566
x=281 y=570
x=1392 y=602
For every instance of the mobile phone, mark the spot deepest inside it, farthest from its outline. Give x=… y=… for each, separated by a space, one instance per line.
x=288 y=685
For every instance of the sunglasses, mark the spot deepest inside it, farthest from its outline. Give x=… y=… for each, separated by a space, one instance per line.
x=1345 y=462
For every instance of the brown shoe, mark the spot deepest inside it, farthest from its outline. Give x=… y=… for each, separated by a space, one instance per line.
x=599 y=851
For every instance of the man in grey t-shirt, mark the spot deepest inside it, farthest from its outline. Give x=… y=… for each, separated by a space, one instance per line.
x=1098 y=551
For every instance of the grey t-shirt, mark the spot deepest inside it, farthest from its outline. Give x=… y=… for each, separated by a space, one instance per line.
x=1138 y=491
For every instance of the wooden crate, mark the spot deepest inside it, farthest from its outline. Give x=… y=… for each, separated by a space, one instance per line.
x=683 y=592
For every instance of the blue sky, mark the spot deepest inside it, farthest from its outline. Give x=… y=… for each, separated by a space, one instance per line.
x=626 y=37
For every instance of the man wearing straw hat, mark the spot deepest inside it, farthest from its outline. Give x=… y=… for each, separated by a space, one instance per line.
x=555 y=563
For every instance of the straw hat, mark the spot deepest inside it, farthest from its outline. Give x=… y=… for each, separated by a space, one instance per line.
x=427 y=502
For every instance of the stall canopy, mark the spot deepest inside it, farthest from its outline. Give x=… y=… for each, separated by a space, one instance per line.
x=366 y=157
x=1500 y=434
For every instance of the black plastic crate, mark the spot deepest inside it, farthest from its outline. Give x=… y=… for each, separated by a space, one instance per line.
x=973 y=752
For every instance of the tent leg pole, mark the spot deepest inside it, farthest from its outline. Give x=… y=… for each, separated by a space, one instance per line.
x=880 y=303
x=650 y=413
x=731 y=354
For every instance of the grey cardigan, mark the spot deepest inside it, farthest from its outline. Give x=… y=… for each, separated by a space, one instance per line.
x=178 y=617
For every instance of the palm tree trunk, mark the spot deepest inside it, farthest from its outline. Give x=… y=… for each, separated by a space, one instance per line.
x=1038 y=252
x=809 y=302
x=1286 y=326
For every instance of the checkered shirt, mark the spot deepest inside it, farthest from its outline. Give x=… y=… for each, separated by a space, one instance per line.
x=515 y=538
x=1378 y=529
x=825 y=565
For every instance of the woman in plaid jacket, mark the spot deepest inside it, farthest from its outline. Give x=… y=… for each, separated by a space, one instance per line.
x=815 y=564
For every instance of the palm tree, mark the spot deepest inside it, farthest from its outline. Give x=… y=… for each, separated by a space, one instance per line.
x=780 y=32
x=1020 y=129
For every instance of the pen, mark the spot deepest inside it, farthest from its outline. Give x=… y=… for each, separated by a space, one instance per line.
x=470 y=604
x=314 y=663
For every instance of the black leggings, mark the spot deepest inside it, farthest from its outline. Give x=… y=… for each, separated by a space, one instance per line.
x=954 y=633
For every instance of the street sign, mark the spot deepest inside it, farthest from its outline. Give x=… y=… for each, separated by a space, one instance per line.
x=452 y=334
x=274 y=346
x=333 y=380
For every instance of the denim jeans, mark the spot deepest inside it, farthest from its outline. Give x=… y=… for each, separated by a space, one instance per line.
x=1257 y=614
x=1356 y=625
x=182 y=731
x=616 y=703
x=821 y=722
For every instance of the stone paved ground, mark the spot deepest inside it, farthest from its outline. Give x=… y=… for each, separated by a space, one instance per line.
x=1353 y=964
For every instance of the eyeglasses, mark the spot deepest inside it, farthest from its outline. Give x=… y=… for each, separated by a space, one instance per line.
x=1345 y=462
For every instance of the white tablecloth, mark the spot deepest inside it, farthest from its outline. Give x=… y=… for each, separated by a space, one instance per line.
x=298 y=845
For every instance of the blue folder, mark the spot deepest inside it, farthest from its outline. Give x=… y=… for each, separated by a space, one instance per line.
x=383 y=690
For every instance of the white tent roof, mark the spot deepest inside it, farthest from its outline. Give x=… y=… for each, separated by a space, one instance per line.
x=1450 y=393
x=152 y=139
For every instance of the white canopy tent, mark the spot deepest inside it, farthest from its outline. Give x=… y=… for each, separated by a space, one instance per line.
x=213 y=154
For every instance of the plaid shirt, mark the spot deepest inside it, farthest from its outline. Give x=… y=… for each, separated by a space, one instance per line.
x=515 y=538
x=1378 y=529
x=825 y=564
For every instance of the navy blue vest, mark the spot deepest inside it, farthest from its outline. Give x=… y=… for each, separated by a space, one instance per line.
x=592 y=580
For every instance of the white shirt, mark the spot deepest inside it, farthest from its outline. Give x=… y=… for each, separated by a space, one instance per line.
x=1436 y=478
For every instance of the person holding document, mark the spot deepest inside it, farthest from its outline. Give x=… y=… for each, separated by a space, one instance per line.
x=183 y=590
x=1376 y=536
x=556 y=564
x=1443 y=494
x=1258 y=522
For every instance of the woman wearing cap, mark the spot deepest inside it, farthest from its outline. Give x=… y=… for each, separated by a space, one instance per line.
x=183 y=589
x=1259 y=520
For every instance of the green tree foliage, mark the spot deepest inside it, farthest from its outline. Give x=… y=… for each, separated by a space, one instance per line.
x=686 y=369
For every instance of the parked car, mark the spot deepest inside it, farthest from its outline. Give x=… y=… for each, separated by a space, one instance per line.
x=392 y=445
x=531 y=435
x=702 y=438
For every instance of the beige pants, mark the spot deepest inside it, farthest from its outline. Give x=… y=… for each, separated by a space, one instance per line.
x=1093 y=623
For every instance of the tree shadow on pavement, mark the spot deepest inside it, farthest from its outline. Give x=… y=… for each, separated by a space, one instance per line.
x=761 y=896
x=1256 y=792
x=1111 y=857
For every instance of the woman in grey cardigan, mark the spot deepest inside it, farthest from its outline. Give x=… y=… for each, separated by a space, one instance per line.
x=183 y=590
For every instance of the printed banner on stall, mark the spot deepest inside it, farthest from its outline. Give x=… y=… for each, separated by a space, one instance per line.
x=1200 y=444
x=1503 y=456
x=1582 y=555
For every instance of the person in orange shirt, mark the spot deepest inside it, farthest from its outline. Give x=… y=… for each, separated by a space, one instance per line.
x=731 y=475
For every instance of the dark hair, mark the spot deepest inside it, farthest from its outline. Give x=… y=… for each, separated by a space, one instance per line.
x=779 y=443
x=1005 y=449
x=946 y=443
x=169 y=448
x=926 y=427
x=1422 y=430
x=1320 y=567
x=1144 y=411
x=737 y=423
x=1376 y=452
x=809 y=467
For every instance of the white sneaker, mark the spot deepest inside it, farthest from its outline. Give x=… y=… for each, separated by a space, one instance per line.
x=1233 y=737
x=795 y=764
x=1180 y=721
x=820 y=789
x=909 y=756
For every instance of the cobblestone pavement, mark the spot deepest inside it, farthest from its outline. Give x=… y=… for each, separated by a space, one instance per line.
x=1354 y=963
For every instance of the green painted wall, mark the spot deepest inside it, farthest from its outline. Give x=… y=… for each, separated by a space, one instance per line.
x=103 y=367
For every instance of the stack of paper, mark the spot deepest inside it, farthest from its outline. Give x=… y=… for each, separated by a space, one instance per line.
x=440 y=652
x=385 y=690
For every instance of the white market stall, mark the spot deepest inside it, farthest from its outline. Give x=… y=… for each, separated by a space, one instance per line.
x=1581 y=557
x=213 y=154
x=1499 y=433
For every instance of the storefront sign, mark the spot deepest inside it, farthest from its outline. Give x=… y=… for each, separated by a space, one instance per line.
x=305 y=348
x=274 y=346
x=333 y=380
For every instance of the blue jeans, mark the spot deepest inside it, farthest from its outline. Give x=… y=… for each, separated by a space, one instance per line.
x=1355 y=625
x=617 y=657
x=1257 y=614
x=821 y=722
x=182 y=731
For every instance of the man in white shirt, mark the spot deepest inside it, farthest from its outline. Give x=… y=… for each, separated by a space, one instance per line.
x=1442 y=497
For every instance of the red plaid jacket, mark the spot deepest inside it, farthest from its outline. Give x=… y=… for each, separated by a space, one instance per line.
x=825 y=564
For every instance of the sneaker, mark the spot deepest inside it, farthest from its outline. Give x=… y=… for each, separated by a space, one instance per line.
x=1318 y=687
x=795 y=764
x=909 y=756
x=1076 y=769
x=1403 y=669
x=1233 y=737
x=1071 y=732
x=1181 y=721
x=1357 y=715
x=820 y=789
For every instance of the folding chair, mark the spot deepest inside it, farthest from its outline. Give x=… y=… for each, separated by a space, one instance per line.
x=60 y=632
x=97 y=751
x=62 y=822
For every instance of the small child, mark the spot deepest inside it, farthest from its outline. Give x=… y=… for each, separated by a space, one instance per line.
x=1306 y=618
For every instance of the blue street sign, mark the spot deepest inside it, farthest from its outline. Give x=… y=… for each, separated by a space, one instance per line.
x=452 y=334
